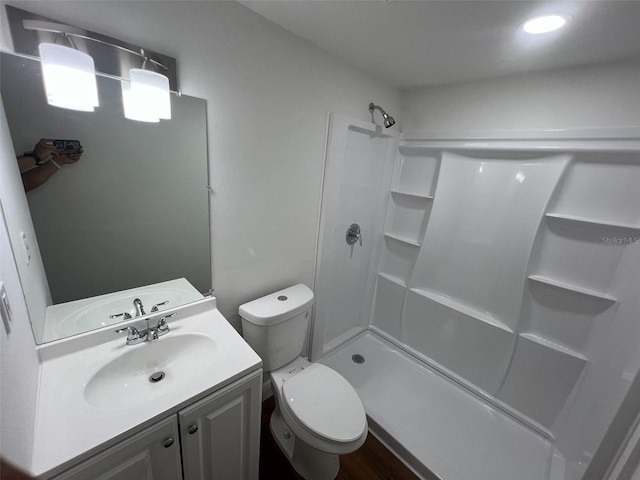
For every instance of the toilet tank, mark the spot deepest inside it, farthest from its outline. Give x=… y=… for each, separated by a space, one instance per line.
x=276 y=325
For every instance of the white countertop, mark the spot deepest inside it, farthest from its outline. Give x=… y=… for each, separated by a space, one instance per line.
x=69 y=427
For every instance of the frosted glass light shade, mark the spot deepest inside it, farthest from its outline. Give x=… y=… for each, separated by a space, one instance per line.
x=134 y=108
x=151 y=89
x=69 y=78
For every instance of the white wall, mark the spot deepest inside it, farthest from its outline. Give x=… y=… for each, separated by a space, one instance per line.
x=18 y=358
x=34 y=280
x=268 y=94
x=594 y=96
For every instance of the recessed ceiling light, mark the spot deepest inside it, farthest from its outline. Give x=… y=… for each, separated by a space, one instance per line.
x=544 y=24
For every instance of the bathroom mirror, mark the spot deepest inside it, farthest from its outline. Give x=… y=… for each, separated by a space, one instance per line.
x=132 y=212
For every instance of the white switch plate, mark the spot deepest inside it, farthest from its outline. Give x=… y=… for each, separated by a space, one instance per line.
x=5 y=308
x=25 y=244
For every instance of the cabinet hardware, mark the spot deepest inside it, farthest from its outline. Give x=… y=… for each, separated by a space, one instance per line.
x=167 y=442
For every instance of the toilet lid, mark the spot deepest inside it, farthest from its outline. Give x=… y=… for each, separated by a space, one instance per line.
x=325 y=403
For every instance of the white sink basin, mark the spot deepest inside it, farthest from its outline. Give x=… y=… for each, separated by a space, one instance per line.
x=126 y=380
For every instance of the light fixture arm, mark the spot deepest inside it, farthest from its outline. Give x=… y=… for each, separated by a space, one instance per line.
x=67 y=32
x=146 y=58
x=67 y=38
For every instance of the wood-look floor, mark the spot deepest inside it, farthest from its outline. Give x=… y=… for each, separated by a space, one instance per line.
x=372 y=461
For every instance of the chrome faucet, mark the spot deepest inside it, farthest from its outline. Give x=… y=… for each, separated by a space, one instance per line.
x=137 y=303
x=134 y=336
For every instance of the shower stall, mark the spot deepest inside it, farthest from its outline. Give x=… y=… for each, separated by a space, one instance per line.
x=489 y=317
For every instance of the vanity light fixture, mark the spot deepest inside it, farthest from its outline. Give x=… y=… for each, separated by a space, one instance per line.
x=544 y=24
x=147 y=96
x=69 y=77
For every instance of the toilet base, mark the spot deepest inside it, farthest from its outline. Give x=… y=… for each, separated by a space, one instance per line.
x=308 y=462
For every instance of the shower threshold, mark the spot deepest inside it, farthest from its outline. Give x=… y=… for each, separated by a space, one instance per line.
x=433 y=424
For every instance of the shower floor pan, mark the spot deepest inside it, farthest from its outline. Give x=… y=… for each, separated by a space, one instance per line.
x=434 y=424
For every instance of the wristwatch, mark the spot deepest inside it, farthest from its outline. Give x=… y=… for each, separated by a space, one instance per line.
x=36 y=157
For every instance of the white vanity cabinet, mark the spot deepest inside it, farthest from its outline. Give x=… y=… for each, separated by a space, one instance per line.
x=153 y=453
x=220 y=434
x=217 y=437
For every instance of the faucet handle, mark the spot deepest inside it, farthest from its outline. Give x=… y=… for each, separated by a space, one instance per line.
x=125 y=315
x=162 y=323
x=131 y=329
x=155 y=307
x=161 y=328
x=133 y=335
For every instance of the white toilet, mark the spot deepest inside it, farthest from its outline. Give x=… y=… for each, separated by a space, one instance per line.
x=318 y=414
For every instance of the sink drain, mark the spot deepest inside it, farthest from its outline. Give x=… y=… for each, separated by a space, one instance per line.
x=156 y=377
x=357 y=358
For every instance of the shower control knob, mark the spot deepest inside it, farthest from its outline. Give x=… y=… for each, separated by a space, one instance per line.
x=353 y=234
x=192 y=429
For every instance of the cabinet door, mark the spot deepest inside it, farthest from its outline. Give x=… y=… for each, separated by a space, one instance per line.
x=220 y=434
x=153 y=454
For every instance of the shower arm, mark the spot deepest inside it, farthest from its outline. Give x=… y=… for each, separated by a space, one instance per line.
x=388 y=119
x=373 y=107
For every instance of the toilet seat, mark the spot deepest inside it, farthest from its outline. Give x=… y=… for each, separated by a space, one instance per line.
x=322 y=402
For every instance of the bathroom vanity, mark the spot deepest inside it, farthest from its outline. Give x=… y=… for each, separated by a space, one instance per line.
x=186 y=405
x=211 y=438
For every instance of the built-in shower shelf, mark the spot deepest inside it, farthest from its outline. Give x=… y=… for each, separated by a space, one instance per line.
x=420 y=196
x=462 y=308
x=399 y=238
x=391 y=278
x=553 y=345
x=572 y=288
x=593 y=221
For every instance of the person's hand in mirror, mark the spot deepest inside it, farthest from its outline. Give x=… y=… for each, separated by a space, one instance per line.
x=68 y=158
x=39 y=165
x=42 y=152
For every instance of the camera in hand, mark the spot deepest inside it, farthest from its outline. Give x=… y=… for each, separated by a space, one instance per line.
x=67 y=146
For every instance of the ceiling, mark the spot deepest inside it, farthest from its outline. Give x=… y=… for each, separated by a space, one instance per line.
x=417 y=43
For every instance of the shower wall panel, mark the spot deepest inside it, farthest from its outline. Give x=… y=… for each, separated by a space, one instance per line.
x=456 y=337
x=408 y=212
x=472 y=263
x=358 y=169
x=516 y=278
x=511 y=266
x=485 y=214
x=582 y=302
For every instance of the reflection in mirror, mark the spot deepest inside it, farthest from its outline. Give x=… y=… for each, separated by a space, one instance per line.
x=131 y=212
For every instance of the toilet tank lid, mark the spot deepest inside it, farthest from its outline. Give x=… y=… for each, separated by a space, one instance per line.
x=278 y=306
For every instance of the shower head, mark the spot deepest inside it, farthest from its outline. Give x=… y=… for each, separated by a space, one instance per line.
x=388 y=119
